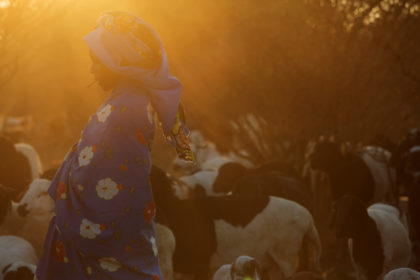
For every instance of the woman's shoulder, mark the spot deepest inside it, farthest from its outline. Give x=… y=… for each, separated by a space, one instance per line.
x=123 y=105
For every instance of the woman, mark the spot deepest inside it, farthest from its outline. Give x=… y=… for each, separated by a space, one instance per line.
x=104 y=213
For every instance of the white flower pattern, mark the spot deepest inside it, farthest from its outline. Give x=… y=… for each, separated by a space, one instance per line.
x=104 y=113
x=89 y=229
x=110 y=264
x=86 y=155
x=154 y=246
x=107 y=188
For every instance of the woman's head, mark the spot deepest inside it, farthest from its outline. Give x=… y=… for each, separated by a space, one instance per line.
x=130 y=48
x=128 y=42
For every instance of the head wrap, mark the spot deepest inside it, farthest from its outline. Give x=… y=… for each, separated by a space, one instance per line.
x=132 y=49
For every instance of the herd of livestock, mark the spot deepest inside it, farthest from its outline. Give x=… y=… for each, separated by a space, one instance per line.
x=348 y=212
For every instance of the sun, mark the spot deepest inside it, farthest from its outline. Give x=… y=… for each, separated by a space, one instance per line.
x=4 y=4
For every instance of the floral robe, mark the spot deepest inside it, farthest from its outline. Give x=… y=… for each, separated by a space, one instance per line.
x=103 y=227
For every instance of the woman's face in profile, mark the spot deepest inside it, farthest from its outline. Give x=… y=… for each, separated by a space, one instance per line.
x=105 y=77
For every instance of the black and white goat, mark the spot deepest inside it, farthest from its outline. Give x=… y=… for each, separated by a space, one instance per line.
x=17 y=259
x=212 y=231
x=30 y=218
x=378 y=239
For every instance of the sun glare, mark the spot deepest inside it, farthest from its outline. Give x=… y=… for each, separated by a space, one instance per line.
x=4 y=4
